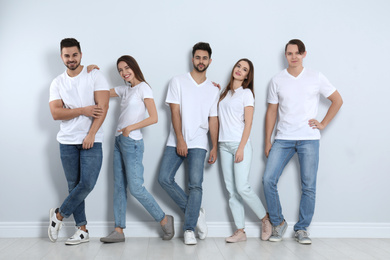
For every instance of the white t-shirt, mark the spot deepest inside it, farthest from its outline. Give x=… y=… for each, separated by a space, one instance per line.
x=197 y=104
x=231 y=114
x=298 y=99
x=133 y=107
x=76 y=92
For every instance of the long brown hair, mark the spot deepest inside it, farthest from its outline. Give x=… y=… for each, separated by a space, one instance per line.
x=247 y=83
x=132 y=63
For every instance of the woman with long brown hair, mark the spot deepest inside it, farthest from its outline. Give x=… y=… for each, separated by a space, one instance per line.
x=136 y=98
x=235 y=113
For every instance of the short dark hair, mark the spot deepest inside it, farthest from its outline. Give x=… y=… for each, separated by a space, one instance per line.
x=299 y=43
x=70 y=42
x=204 y=46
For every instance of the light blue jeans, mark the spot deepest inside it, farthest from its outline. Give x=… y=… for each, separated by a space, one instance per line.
x=81 y=167
x=281 y=153
x=236 y=176
x=189 y=204
x=128 y=171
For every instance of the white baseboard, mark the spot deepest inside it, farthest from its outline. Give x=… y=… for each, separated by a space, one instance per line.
x=216 y=229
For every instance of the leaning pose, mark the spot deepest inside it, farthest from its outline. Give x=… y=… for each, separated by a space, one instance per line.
x=193 y=100
x=293 y=99
x=235 y=112
x=136 y=99
x=80 y=101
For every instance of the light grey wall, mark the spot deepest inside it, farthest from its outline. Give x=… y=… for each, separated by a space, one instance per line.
x=346 y=40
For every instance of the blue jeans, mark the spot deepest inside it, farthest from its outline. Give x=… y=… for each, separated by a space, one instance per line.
x=236 y=180
x=128 y=172
x=281 y=153
x=189 y=204
x=81 y=167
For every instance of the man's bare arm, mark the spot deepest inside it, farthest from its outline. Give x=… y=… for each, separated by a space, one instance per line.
x=60 y=113
x=214 y=128
x=270 y=121
x=181 y=146
x=101 y=100
x=337 y=102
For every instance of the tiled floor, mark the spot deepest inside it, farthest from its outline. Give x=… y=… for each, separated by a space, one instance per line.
x=211 y=248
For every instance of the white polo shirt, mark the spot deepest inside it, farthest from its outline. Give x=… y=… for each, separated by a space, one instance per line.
x=197 y=103
x=298 y=99
x=76 y=92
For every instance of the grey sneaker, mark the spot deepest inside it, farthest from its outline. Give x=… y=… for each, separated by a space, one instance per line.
x=113 y=237
x=278 y=232
x=169 y=228
x=302 y=237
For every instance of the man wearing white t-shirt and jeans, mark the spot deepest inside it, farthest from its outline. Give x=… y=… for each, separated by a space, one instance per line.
x=294 y=95
x=193 y=102
x=80 y=100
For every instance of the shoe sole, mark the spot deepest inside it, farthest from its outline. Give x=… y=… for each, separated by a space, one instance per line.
x=303 y=242
x=190 y=243
x=112 y=240
x=51 y=212
x=242 y=240
x=76 y=242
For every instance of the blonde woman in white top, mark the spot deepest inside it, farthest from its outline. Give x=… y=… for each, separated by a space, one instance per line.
x=235 y=112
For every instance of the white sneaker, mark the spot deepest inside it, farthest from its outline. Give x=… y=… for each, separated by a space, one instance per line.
x=79 y=237
x=201 y=224
x=189 y=238
x=54 y=225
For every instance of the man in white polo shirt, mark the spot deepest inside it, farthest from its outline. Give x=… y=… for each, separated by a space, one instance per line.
x=294 y=95
x=80 y=100
x=193 y=102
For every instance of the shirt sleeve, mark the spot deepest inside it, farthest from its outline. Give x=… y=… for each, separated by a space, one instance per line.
x=54 y=91
x=173 y=95
x=249 y=100
x=272 y=97
x=326 y=88
x=146 y=91
x=120 y=90
x=214 y=107
x=100 y=82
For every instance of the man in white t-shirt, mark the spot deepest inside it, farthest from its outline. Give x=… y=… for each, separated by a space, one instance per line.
x=294 y=95
x=80 y=100
x=193 y=102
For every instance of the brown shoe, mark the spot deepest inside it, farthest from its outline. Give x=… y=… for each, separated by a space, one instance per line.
x=238 y=236
x=266 y=228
